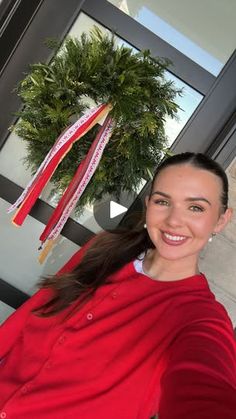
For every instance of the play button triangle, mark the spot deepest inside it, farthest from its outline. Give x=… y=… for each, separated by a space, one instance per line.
x=116 y=209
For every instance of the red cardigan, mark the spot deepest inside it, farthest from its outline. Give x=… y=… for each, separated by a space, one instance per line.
x=138 y=347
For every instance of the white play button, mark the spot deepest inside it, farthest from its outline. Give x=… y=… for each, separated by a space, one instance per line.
x=110 y=210
x=116 y=209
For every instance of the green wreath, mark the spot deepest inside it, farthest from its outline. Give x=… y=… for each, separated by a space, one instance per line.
x=97 y=67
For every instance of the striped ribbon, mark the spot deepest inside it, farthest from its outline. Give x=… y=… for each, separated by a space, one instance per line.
x=61 y=147
x=78 y=184
x=75 y=189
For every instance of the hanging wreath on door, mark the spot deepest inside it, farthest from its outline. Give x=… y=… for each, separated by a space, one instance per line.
x=89 y=79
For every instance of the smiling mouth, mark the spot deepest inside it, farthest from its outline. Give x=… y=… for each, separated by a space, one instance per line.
x=173 y=239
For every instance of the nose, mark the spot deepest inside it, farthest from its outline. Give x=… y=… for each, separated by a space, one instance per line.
x=175 y=217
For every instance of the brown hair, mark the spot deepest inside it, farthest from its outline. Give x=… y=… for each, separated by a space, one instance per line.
x=109 y=251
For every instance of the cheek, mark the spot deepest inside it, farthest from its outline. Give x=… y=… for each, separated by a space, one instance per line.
x=154 y=216
x=155 y=210
x=203 y=226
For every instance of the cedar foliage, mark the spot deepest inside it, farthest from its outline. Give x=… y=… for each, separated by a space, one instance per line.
x=97 y=67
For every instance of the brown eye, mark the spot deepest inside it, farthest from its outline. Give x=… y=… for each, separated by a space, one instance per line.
x=161 y=202
x=196 y=208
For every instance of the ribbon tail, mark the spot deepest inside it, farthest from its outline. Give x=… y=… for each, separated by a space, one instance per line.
x=34 y=193
x=46 y=251
x=68 y=194
x=61 y=205
x=94 y=161
x=36 y=176
x=64 y=144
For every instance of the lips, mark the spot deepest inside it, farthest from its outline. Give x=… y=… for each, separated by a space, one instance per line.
x=173 y=239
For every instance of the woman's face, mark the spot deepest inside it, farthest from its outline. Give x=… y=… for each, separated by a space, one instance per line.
x=184 y=209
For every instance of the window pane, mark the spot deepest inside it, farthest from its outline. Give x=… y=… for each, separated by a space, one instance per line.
x=5 y=311
x=19 y=265
x=192 y=27
x=188 y=102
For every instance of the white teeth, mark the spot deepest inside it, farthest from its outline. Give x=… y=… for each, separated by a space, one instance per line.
x=175 y=238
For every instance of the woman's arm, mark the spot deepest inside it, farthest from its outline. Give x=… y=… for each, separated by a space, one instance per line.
x=200 y=380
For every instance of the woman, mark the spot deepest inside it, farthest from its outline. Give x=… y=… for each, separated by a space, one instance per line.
x=129 y=327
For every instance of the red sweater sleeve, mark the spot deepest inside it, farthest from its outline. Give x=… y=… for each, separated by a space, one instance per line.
x=200 y=379
x=11 y=328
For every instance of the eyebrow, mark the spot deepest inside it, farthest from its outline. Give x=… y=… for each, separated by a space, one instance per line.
x=189 y=199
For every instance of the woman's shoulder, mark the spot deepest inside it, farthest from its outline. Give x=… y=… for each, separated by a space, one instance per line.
x=206 y=309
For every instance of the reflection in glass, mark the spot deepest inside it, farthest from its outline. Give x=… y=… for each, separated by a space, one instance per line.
x=188 y=102
x=190 y=26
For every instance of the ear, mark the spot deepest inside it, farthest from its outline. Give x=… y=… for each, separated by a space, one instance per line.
x=224 y=219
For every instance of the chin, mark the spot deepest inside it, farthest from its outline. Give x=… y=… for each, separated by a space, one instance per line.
x=176 y=254
x=172 y=257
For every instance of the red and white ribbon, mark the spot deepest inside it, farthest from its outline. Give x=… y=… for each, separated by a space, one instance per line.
x=98 y=152
x=53 y=158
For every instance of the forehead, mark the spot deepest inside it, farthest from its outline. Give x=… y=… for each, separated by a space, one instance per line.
x=188 y=179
